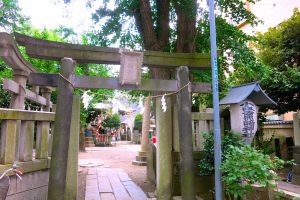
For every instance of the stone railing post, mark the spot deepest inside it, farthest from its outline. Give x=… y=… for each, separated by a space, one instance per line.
x=18 y=102
x=46 y=92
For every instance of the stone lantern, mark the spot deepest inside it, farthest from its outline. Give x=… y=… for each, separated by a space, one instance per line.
x=244 y=101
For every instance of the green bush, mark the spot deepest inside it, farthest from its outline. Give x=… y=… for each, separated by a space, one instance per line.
x=244 y=166
x=206 y=164
x=113 y=121
x=138 y=121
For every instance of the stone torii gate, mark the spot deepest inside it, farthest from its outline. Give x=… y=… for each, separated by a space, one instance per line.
x=66 y=81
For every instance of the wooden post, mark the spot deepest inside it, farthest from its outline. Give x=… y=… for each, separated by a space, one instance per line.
x=60 y=146
x=185 y=135
x=72 y=166
x=164 y=150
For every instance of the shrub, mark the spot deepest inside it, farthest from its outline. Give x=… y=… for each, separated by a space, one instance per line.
x=206 y=164
x=244 y=166
x=138 y=121
x=113 y=121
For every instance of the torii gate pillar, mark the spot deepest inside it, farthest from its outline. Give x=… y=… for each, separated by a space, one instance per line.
x=61 y=136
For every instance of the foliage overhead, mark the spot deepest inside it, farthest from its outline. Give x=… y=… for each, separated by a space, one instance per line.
x=180 y=26
x=280 y=50
x=10 y=16
x=12 y=20
x=236 y=59
x=159 y=25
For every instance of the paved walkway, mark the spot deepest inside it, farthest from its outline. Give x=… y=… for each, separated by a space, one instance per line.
x=289 y=189
x=111 y=184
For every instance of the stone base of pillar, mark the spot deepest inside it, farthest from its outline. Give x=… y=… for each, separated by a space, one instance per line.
x=296 y=167
x=180 y=198
x=140 y=159
x=89 y=142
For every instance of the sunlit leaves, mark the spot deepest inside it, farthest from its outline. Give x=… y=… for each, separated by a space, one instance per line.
x=10 y=16
x=236 y=11
x=244 y=166
x=280 y=50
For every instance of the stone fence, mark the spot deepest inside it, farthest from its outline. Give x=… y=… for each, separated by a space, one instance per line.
x=25 y=140
x=26 y=136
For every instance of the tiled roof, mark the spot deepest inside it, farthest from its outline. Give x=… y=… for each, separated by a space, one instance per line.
x=250 y=91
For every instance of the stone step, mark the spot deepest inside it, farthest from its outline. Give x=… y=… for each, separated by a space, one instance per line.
x=141 y=158
x=142 y=153
x=180 y=198
x=88 y=139
x=139 y=163
x=89 y=143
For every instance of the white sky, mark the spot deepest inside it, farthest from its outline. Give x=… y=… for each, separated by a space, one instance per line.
x=272 y=12
x=51 y=13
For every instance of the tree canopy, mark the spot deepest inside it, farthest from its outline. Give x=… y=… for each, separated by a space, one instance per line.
x=279 y=48
x=10 y=16
x=112 y=121
x=180 y=26
x=160 y=25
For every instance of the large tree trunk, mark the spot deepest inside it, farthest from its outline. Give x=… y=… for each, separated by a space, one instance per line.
x=186 y=25
x=156 y=37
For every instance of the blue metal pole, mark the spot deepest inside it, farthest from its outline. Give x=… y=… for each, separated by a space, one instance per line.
x=217 y=132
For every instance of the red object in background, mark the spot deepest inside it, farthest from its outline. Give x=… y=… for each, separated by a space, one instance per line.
x=153 y=139
x=102 y=138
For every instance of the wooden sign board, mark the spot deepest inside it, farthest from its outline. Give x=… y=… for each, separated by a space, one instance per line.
x=131 y=66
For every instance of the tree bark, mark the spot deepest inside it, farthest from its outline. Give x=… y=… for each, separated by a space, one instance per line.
x=163 y=20
x=186 y=25
x=155 y=39
x=144 y=22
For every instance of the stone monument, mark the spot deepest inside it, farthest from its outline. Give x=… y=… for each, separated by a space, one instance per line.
x=244 y=102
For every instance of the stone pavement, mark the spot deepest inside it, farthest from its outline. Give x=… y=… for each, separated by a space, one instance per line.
x=111 y=184
x=289 y=189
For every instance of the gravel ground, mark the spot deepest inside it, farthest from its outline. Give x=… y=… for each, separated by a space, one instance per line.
x=120 y=155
